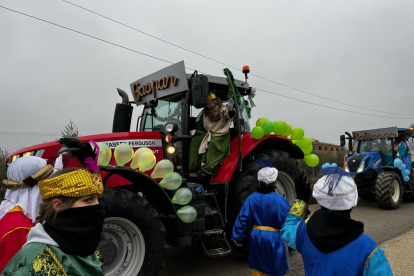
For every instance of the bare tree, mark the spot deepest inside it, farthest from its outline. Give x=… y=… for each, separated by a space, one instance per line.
x=3 y=172
x=70 y=130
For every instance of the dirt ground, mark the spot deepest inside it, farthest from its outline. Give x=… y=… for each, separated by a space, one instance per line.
x=400 y=254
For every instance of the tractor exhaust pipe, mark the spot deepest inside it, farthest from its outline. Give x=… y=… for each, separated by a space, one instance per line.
x=124 y=96
x=123 y=114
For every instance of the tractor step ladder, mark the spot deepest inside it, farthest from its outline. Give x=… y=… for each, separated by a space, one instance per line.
x=214 y=241
x=215 y=244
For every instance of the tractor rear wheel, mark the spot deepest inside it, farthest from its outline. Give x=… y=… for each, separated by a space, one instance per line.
x=133 y=236
x=388 y=190
x=245 y=183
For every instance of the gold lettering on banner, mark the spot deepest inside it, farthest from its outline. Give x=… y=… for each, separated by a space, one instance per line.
x=368 y=136
x=152 y=87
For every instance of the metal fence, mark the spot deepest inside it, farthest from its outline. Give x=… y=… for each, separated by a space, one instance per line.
x=11 y=141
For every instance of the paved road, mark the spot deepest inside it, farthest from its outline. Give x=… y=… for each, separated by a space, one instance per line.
x=381 y=225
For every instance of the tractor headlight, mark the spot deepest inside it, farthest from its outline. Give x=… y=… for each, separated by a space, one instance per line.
x=346 y=169
x=171 y=149
x=361 y=167
x=171 y=128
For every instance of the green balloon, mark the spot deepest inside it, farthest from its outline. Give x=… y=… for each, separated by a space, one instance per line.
x=187 y=214
x=288 y=131
x=182 y=196
x=105 y=154
x=307 y=150
x=267 y=127
x=163 y=169
x=257 y=133
x=123 y=153
x=297 y=133
x=280 y=127
x=171 y=182
x=261 y=121
x=304 y=143
x=311 y=160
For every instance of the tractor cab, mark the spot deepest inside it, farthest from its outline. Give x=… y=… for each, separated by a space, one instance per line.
x=172 y=100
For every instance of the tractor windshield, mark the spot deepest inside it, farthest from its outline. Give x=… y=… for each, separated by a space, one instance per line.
x=165 y=112
x=170 y=112
x=384 y=146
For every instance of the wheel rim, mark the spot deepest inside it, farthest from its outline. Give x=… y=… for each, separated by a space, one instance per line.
x=285 y=186
x=396 y=188
x=122 y=246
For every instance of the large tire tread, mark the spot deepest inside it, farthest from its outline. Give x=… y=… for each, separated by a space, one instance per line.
x=383 y=190
x=122 y=203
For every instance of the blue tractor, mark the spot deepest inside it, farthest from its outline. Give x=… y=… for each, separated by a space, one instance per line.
x=376 y=168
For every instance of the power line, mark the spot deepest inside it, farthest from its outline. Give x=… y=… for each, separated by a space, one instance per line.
x=334 y=108
x=114 y=44
x=257 y=76
x=94 y=37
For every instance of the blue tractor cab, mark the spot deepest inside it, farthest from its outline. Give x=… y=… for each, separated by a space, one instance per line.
x=372 y=165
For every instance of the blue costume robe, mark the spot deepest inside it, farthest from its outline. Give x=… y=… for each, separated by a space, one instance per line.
x=267 y=252
x=360 y=257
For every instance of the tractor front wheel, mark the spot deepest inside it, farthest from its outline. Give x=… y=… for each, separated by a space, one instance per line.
x=388 y=190
x=133 y=237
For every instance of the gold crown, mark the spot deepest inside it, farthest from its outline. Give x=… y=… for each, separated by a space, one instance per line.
x=211 y=96
x=74 y=184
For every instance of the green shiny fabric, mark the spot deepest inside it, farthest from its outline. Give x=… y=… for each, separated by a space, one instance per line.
x=37 y=259
x=218 y=149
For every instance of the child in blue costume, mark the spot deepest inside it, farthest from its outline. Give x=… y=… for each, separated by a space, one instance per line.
x=331 y=243
x=265 y=211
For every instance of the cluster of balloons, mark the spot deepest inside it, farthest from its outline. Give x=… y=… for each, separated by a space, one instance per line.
x=171 y=181
x=145 y=160
x=403 y=168
x=297 y=135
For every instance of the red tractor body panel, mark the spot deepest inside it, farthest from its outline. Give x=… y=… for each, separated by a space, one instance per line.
x=226 y=171
x=152 y=140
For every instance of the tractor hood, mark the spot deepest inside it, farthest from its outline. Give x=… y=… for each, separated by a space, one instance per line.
x=360 y=162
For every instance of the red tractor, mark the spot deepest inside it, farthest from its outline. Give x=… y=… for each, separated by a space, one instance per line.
x=141 y=219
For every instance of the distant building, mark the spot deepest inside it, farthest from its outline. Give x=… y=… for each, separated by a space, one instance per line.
x=324 y=148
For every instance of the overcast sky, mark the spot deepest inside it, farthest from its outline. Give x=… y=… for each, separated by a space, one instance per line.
x=356 y=52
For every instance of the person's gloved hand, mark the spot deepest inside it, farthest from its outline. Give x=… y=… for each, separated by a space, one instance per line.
x=303 y=190
x=230 y=104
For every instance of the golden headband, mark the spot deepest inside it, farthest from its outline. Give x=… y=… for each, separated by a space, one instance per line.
x=73 y=184
x=29 y=182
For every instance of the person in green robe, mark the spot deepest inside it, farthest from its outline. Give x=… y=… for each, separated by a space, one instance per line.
x=211 y=143
x=66 y=234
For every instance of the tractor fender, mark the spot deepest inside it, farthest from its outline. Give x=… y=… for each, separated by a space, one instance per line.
x=393 y=169
x=124 y=178
x=249 y=144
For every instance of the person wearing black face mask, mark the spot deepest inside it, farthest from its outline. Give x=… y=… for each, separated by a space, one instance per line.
x=66 y=234
x=331 y=243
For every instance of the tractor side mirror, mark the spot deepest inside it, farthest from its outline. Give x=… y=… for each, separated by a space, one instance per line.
x=342 y=138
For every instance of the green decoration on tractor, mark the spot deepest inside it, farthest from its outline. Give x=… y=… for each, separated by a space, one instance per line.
x=230 y=95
